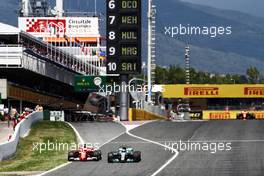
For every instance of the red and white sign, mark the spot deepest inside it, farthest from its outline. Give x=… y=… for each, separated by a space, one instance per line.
x=69 y=26
x=34 y=25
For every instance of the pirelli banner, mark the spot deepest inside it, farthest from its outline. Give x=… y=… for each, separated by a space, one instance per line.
x=232 y=115
x=214 y=91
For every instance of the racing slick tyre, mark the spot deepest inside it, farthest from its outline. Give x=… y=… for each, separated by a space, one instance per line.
x=70 y=156
x=137 y=156
x=251 y=116
x=98 y=155
x=239 y=116
x=110 y=158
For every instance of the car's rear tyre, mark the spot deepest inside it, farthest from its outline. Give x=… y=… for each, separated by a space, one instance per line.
x=110 y=158
x=251 y=116
x=70 y=156
x=98 y=155
x=239 y=116
x=137 y=156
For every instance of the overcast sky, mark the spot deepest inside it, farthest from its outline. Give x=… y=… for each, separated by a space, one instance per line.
x=254 y=7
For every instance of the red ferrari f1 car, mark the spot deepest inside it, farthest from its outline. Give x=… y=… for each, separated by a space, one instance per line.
x=85 y=154
x=245 y=115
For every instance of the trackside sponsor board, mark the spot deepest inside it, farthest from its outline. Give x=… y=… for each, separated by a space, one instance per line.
x=214 y=91
x=196 y=115
x=259 y=114
x=254 y=91
x=219 y=115
x=61 y=26
x=201 y=91
x=228 y=115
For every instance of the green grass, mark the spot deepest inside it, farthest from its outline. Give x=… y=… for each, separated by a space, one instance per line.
x=27 y=159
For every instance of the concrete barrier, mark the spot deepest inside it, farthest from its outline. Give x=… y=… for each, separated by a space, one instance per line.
x=142 y=115
x=8 y=149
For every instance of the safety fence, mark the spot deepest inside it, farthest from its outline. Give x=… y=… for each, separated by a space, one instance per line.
x=22 y=129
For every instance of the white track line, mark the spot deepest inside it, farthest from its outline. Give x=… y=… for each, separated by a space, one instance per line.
x=80 y=139
x=56 y=168
x=154 y=142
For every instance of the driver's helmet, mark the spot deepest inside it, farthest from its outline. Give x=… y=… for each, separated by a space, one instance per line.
x=123 y=149
x=83 y=146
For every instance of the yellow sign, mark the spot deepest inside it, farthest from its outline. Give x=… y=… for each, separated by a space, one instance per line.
x=220 y=115
x=214 y=91
x=228 y=115
x=259 y=114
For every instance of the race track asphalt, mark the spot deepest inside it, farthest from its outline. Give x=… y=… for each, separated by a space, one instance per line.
x=98 y=132
x=153 y=156
x=245 y=156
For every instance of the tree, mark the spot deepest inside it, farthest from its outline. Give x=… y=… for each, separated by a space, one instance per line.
x=161 y=75
x=174 y=74
x=254 y=75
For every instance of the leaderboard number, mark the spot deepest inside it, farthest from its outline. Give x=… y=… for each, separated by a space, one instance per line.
x=112 y=19
x=111 y=4
x=112 y=66
x=112 y=51
x=112 y=35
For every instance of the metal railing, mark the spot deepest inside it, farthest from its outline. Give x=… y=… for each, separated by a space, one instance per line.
x=62 y=57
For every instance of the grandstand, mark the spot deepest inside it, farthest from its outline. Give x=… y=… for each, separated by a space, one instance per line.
x=34 y=72
x=40 y=58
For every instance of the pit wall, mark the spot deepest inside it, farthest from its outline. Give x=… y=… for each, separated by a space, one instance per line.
x=8 y=149
x=228 y=115
x=142 y=115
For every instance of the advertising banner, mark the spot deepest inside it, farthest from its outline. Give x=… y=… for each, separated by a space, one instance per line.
x=196 y=115
x=88 y=83
x=259 y=114
x=214 y=91
x=230 y=115
x=220 y=115
x=59 y=27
